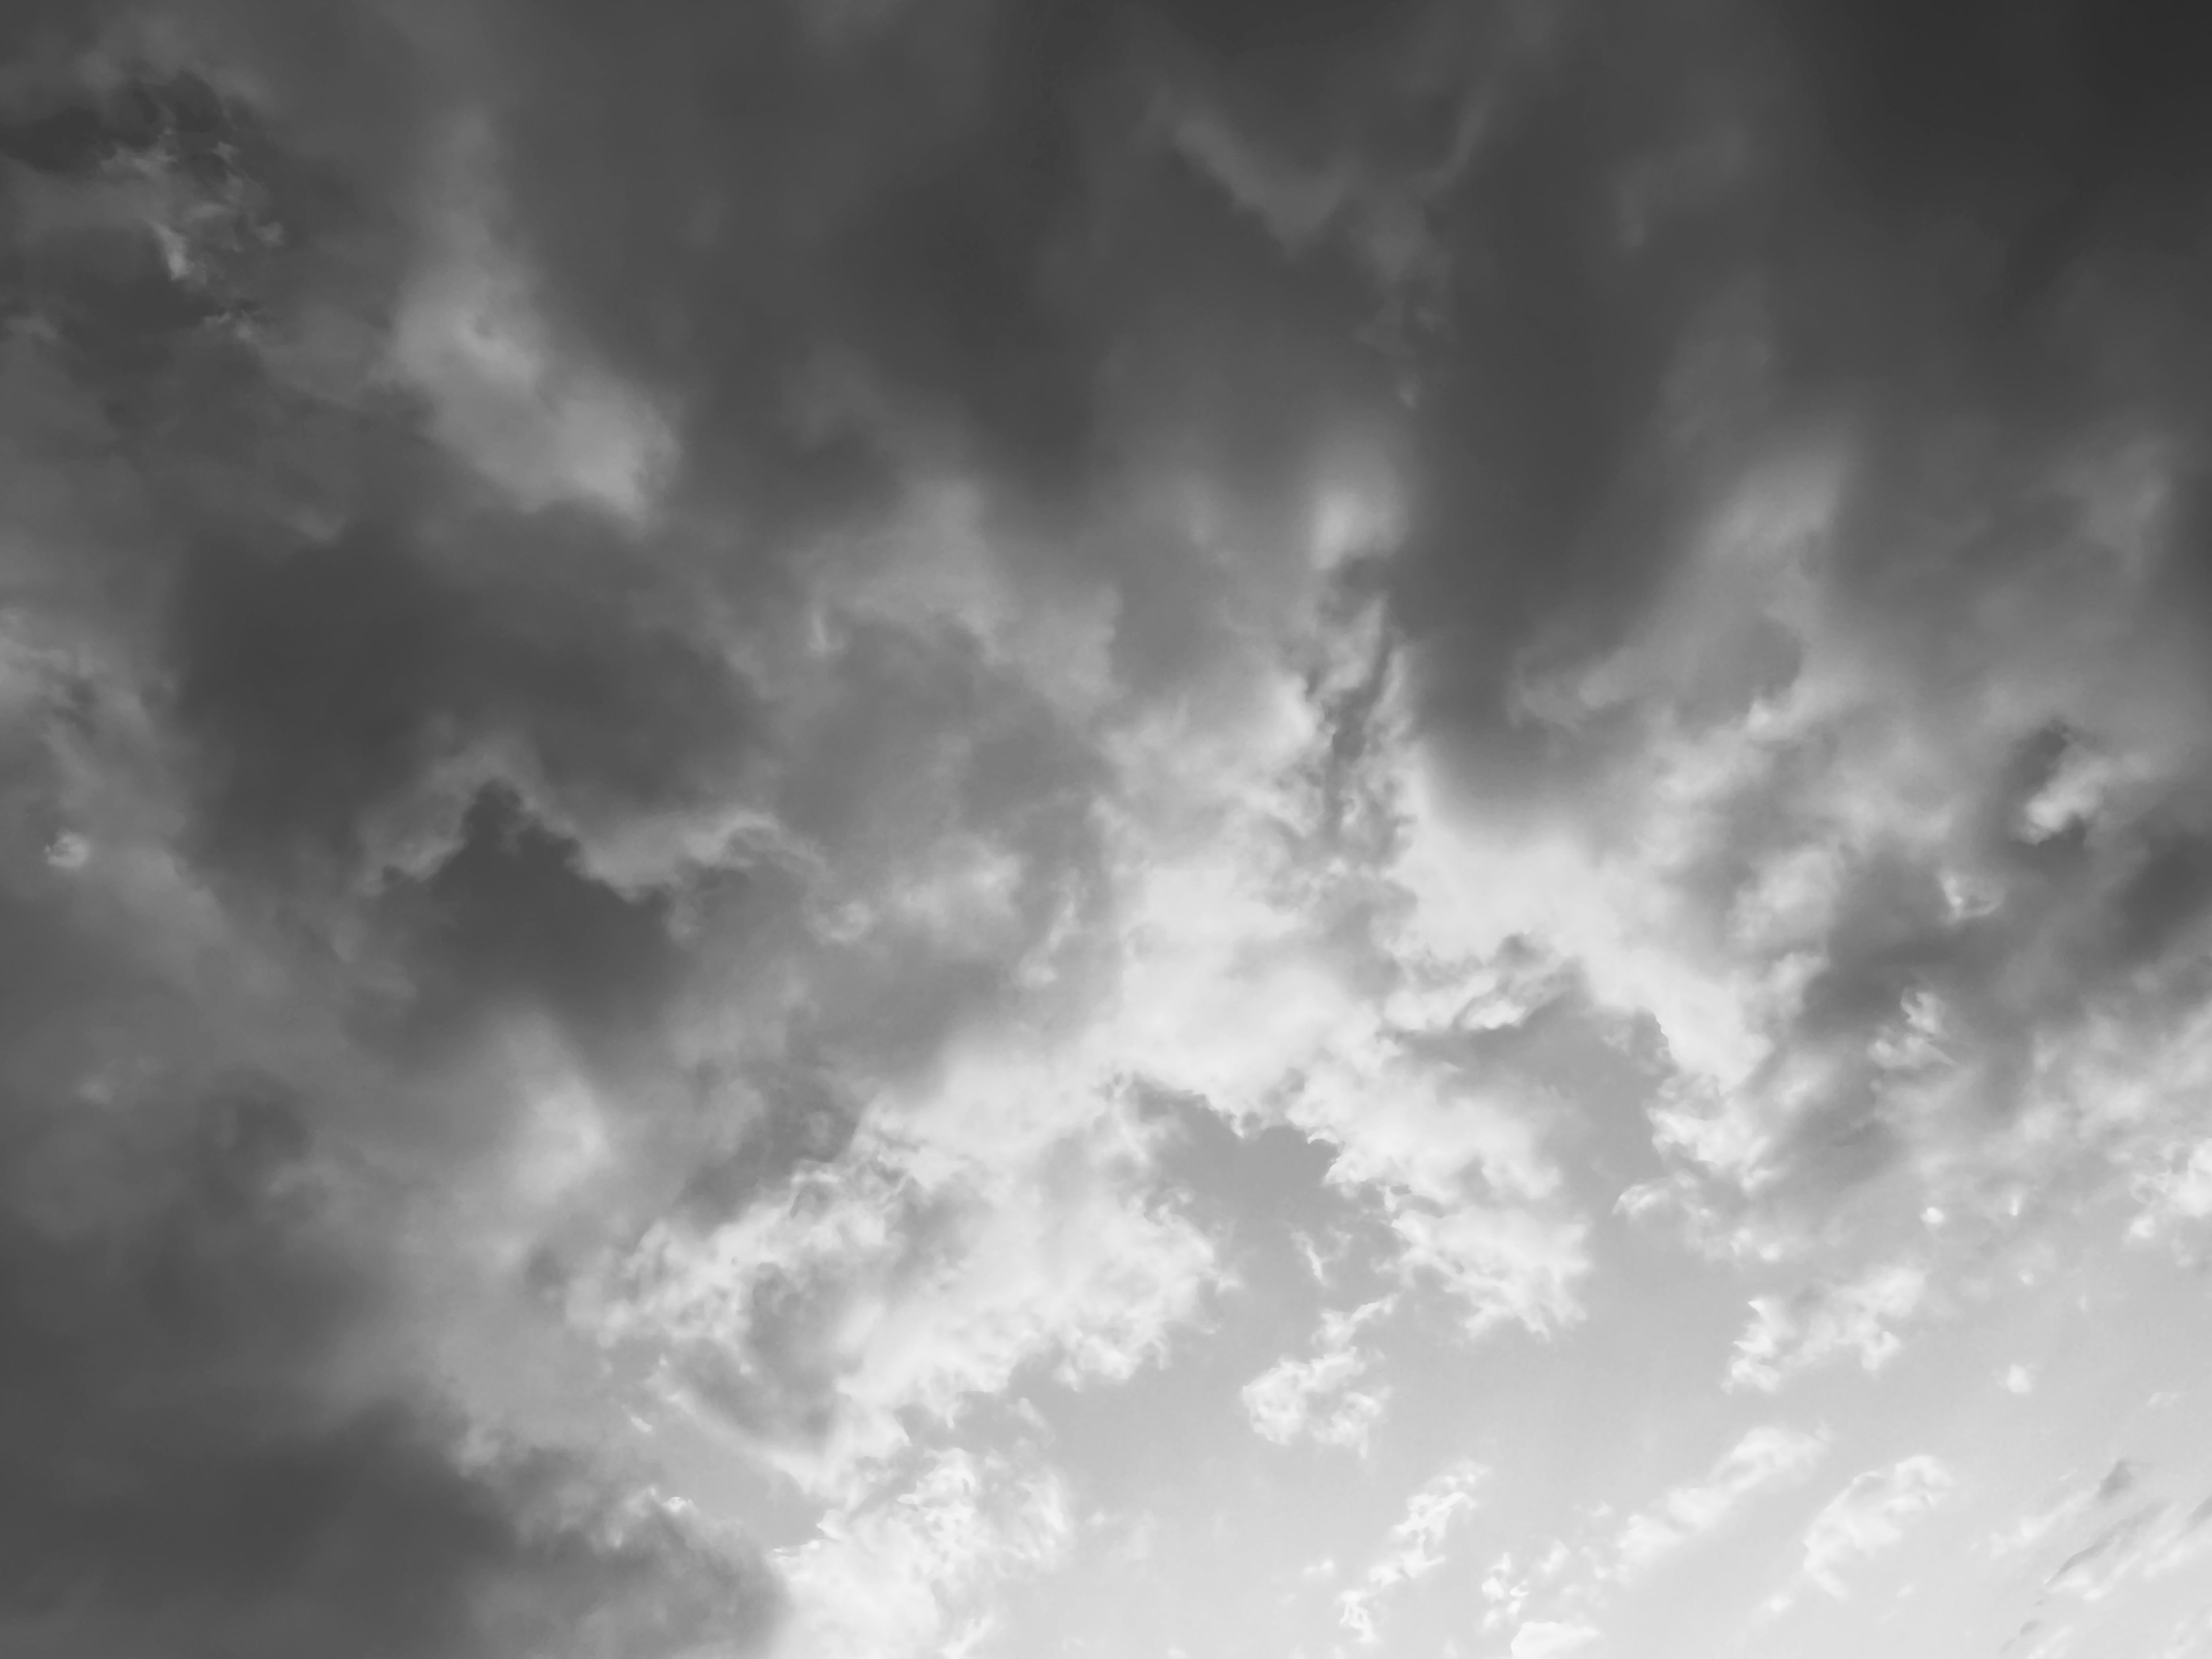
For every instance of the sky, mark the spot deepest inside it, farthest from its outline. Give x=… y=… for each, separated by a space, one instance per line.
x=1086 y=829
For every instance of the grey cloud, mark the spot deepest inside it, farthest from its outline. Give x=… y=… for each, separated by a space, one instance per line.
x=2118 y=1481
x=321 y=683
x=433 y=756
x=226 y=1062
x=197 y=1454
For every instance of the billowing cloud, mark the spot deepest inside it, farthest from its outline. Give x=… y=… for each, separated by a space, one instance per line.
x=678 y=682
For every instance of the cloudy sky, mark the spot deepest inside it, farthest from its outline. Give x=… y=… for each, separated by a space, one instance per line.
x=1209 y=830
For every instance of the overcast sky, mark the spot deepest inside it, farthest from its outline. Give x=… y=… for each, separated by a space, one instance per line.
x=1016 y=828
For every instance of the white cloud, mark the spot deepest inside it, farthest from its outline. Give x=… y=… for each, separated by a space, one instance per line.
x=1792 y=1335
x=1870 y=1515
x=1415 y=1547
x=2174 y=1188
x=922 y=1269
x=1236 y=987
x=1312 y=1397
x=903 y=1576
x=1502 y=1264
x=1763 y=1459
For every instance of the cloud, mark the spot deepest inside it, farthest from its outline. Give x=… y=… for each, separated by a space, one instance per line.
x=468 y=338
x=1279 y=972
x=1869 y=1515
x=1569 y=1582
x=1314 y=1397
x=1415 y=1545
x=2151 y=1540
x=1764 y=1459
x=2114 y=1537
x=727 y=880
x=2174 y=1187
x=906 y=1573
x=209 y=1447
x=1786 y=1336
x=913 y=1275
x=718 y=642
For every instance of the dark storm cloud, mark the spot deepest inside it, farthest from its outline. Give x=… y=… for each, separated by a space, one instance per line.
x=207 y=1443
x=172 y=1477
x=246 y=621
x=976 y=227
x=321 y=681
x=1946 y=220
x=730 y=205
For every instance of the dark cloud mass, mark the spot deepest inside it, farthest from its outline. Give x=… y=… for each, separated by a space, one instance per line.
x=589 y=592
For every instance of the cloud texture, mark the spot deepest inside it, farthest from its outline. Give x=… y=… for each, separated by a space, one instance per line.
x=801 y=803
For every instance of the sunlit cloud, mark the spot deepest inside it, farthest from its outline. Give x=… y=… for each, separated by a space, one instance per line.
x=903 y=1574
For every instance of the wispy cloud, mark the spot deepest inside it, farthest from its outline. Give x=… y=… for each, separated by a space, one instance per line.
x=1871 y=1515
x=1857 y=1319
x=1415 y=1547
x=1764 y=1459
